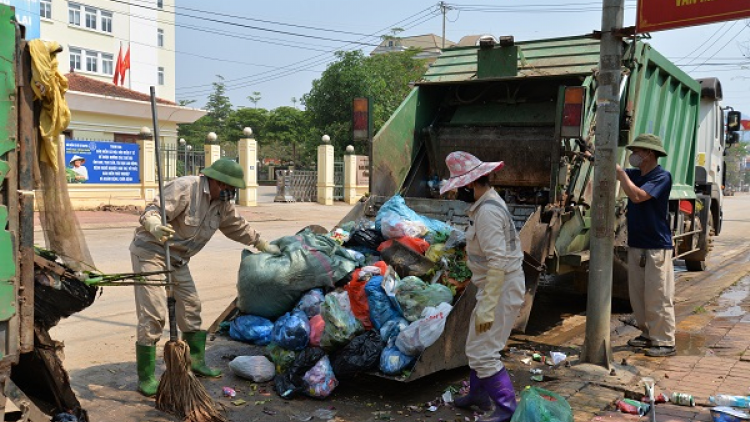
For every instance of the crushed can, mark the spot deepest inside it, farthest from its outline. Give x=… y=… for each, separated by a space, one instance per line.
x=660 y=398
x=625 y=407
x=229 y=392
x=643 y=408
x=683 y=399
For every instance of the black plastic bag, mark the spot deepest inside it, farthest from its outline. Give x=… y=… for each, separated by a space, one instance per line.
x=291 y=382
x=367 y=238
x=360 y=355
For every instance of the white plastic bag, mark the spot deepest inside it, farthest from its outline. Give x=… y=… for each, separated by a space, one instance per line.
x=256 y=368
x=425 y=331
x=393 y=226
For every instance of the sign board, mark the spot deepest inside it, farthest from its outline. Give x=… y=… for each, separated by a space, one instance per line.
x=658 y=15
x=363 y=170
x=27 y=14
x=103 y=162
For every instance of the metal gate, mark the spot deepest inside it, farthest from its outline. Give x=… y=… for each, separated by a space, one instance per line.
x=338 y=180
x=182 y=161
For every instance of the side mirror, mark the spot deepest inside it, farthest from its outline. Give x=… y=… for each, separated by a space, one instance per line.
x=733 y=121
x=732 y=138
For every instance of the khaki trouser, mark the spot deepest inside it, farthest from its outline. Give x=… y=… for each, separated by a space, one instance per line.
x=151 y=301
x=651 y=291
x=483 y=350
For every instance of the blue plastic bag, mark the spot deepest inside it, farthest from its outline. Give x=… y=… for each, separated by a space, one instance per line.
x=392 y=328
x=310 y=302
x=251 y=329
x=382 y=309
x=393 y=362
x=397 y=205
x=291 y=331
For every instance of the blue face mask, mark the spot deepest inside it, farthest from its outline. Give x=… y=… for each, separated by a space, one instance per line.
x=227 y=195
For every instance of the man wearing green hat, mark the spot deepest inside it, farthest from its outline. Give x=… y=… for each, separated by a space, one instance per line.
x=650 y=271
x=195 y=206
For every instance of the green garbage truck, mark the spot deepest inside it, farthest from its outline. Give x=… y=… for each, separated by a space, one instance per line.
x=533 y=105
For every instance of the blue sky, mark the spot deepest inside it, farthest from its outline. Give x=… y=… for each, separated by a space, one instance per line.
x=261 y=51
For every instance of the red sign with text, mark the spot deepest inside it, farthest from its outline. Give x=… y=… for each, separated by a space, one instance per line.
x=658 y=15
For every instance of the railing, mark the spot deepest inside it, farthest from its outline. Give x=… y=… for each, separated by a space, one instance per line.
x=338 y=181
x=180 y=162
x=296 y=186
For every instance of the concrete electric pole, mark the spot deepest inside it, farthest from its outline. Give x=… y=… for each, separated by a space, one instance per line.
x=597 y=348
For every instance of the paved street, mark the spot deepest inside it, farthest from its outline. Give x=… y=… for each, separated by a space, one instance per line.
x=712 y=336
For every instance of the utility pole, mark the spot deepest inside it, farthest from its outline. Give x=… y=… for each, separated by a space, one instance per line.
x=443 y=10
x=597 y=347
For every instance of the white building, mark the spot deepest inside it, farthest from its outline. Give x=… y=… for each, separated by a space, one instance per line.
x=92 y=31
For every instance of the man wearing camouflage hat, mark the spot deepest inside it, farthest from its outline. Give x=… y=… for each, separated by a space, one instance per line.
x=196 y=207
x=650 y=271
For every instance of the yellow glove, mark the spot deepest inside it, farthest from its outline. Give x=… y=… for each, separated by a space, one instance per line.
x=264 y=246
x=153 y=225
x=484 y=312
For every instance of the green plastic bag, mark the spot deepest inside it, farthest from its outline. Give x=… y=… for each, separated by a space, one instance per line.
x=540 y=405
x=413 y=295
x=340 y=324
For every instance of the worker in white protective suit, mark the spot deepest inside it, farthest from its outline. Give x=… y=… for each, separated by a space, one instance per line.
x=196 y=207
x=495 y=257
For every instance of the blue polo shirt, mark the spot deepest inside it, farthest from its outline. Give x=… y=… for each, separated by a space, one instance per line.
x=648 y=222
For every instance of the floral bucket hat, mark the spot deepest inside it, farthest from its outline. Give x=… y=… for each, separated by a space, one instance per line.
x=466 y=168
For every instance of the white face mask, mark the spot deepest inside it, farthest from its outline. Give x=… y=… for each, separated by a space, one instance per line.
x=635 y=160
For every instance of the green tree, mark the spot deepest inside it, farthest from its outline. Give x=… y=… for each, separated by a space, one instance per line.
x=219 y=110
x=384 y=77
x=255 y=98
x=289 y=137
x=735 y=156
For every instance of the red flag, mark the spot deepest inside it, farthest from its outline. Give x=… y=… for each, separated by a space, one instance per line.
x=125 y=66
x=116 y=77
x=745 y=124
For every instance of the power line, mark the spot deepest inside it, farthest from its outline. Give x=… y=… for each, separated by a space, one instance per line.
x=702 y=44
x=722 y=47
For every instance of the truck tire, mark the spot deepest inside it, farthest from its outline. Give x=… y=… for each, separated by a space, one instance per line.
x=700 y=265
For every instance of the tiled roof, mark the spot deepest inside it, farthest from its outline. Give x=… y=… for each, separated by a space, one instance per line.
x=80 y=83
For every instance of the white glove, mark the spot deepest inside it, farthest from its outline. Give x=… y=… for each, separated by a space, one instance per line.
x=153 y=225
x=264 y=246
x=484 y=312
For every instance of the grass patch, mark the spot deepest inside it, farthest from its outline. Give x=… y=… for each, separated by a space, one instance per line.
x=699 y=310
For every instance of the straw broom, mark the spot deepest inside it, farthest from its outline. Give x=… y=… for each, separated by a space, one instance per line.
x=180 y=392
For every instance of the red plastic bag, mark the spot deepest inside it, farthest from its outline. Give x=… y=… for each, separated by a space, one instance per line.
x=358 y=300
x=317 y=324
x=414 y=243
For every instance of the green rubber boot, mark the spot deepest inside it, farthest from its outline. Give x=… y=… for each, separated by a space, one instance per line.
x=197 y=342
x=146 y=361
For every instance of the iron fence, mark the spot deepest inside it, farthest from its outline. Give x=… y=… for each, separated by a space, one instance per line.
x=296 y=186
x=181 y=162
x=338 y=180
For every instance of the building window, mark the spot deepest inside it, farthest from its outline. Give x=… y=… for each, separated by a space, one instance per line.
x=108 y=64
x=160 y=4
x=90 y=18
x=106 y=21
x=91 y=61
x=45 y=9
x=75 y=59
x=160 y=37
x=74 y=14
x=161 y=76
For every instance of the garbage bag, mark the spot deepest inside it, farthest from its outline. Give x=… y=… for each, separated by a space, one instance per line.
x=291 y=331
x=306 y=261
x=414 y=243
x=343 y=299
x=369 y=238
x=358 y=299
x=382 y=309
x=392 y=328
x=280 y=357
x=360 y=355
x=425 y=331
x=393 y=362
x=320 y=380
x=256 y=368
x=317 y=325
x=394 y=226
x=397 y=205
x=540 y=405
x=310 y=302
x=414 y=295
x=251 y=329
x=340 y=325
x=290 y=381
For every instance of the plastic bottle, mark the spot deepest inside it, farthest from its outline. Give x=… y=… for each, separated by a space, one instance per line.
x=727 y=400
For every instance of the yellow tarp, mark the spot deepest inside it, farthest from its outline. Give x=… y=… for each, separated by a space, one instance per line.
x=49 y=87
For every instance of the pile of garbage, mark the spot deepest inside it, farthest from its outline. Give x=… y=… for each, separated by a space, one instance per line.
x=368 y=296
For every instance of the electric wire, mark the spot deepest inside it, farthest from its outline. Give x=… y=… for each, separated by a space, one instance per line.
x=723 y=46
x=715 y=41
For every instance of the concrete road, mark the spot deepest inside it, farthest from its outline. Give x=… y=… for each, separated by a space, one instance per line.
x=100 y=340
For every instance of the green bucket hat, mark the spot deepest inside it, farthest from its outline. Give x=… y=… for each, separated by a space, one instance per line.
x=227 y=171
x=648 y=141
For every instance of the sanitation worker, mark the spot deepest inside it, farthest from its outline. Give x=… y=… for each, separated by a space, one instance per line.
x=196 y=206
x=650 y=270
x=494 y=256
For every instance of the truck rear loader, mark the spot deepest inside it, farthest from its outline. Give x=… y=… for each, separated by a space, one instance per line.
x=533 y=105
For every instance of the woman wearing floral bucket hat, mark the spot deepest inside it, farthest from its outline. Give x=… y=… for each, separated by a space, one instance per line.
x=494 y=256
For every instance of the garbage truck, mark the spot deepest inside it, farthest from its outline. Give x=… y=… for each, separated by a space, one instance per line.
x=532 y=104
x=34 y=386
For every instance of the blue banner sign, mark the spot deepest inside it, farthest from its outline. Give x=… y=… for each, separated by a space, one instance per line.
x=102 y=162
x=27 y=14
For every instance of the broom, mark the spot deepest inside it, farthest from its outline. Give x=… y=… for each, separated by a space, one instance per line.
x=180 y=392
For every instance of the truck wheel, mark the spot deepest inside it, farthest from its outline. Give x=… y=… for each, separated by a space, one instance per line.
x=706 y=248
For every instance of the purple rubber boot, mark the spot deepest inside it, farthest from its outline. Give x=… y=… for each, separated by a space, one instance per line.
x=500 y=389
x=476 y=397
